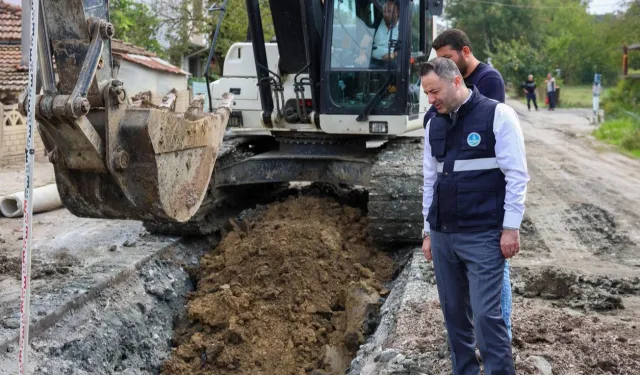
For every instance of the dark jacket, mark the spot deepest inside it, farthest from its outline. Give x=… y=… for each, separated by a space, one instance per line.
x=470 y=189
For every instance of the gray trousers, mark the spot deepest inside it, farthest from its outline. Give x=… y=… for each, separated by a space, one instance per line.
x=469 y=271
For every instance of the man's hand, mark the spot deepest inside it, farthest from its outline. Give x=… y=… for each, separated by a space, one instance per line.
x=388 y=57
x=509 y=243
x=361 y=59
x=426 y=248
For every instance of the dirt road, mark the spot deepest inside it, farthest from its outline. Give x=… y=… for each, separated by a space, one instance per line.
x=584 y=196
x=583 y=204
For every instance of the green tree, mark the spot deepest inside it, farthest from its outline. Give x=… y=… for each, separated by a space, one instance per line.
x=556 y=34
x=488 y=22
x=135 y=23
x=517 y=59
x=187 y=18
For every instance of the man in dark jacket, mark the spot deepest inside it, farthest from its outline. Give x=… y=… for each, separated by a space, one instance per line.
x=454 y=44
x=475 y=183
x=529 y=88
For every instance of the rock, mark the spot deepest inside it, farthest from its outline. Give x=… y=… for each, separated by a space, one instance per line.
x=364 y=271
x=443 y=350
x=129 y=243
x=519 y=287
x=11 y=323
x=541 y=364
x=444 y=334
x=113 y=248
x=319 y=372
x=386 y=355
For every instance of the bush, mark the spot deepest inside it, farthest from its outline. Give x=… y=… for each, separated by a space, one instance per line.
x=622 y=99
x=622 y=107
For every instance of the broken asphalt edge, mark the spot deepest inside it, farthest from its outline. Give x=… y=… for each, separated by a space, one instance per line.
x=50 y=320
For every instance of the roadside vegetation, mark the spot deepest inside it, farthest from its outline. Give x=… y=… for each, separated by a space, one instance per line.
x=622 y=110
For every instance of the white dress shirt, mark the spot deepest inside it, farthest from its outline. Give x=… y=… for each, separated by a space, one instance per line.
x=511 y=158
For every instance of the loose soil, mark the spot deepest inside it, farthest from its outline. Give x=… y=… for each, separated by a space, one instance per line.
x=571 y=343
x=574 y=344
x=294 y=292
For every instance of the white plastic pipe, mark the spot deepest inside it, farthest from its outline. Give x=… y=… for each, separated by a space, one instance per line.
x=45 y=198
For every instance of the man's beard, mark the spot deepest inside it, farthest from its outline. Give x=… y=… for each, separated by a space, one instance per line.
x=463 y=67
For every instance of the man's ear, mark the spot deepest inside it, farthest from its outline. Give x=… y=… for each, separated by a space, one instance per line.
x=466 y=52
x=458 y=81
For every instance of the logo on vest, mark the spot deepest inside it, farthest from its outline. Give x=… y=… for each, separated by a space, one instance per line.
x=473 y=139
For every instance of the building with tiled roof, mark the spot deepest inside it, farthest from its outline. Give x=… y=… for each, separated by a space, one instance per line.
x=13 y=81
x=13 y=76
x=10 y=22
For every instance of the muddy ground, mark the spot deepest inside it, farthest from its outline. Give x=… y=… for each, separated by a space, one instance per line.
x=111 y=299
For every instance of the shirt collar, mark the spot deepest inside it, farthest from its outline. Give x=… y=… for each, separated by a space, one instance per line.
x=463 y=103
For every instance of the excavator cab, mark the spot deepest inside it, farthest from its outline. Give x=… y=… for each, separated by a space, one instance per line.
x=352 y=64
x=112 y=160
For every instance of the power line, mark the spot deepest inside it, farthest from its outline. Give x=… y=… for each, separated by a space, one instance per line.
x=533 y=6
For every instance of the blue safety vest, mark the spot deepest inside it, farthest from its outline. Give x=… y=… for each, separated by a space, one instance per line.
x=469 y=192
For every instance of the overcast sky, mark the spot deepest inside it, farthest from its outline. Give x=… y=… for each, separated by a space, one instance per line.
x=605 y=6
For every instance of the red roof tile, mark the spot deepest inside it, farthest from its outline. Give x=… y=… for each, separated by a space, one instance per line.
x=119 y=47
x=154 y=63
x=10 y=22
x=141 y=56
x=13 y=77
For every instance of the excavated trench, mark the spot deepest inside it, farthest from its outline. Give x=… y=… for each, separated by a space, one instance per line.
x=293 y=287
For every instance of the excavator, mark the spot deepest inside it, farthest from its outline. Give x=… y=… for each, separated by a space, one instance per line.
x=334 y=99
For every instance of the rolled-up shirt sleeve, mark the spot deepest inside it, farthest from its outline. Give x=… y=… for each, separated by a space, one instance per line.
x=430 y=172
x=512 y=160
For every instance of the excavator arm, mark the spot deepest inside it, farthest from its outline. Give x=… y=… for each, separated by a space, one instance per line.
x=112 y=160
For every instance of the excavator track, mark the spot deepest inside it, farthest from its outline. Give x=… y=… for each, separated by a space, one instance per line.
x=395 y=192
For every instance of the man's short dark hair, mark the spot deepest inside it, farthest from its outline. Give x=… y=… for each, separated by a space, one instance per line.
x=442 y=67
x=454 y=38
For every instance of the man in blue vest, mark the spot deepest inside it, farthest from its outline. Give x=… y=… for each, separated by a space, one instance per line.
x=454 y=44
x=475 y=182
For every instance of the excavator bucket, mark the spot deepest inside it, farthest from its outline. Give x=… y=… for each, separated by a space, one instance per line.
x=160 y=169
x=112 y=160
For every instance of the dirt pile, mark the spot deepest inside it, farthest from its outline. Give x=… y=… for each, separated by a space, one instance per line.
x=293 y=292
x=572 y=290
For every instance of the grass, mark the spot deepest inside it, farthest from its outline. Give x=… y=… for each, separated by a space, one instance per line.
x=579 y=96
x=623 y=132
